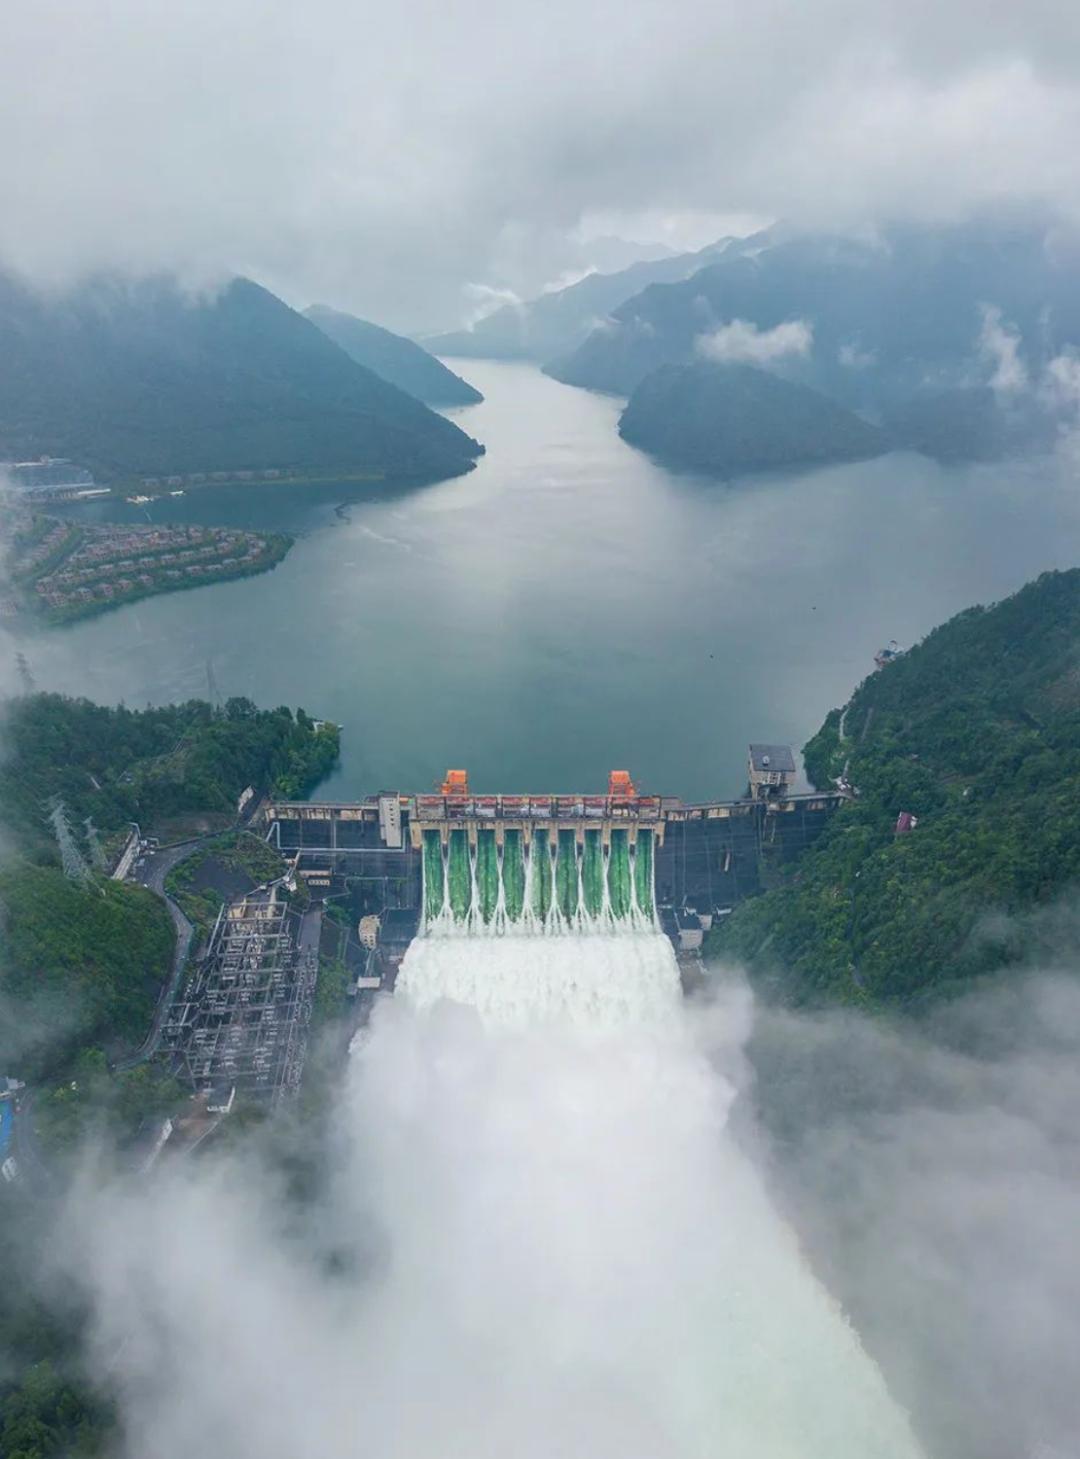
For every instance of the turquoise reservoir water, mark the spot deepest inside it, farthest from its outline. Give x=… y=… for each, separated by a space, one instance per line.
x=571 y=607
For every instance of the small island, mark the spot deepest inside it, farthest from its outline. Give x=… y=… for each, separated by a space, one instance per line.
x=729 y=420
x=61 y=571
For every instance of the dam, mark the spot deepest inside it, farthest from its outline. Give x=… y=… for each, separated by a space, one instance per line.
x=454 y=862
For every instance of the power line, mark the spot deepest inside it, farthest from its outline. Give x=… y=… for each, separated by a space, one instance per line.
x=72 y=861
x=93 y=842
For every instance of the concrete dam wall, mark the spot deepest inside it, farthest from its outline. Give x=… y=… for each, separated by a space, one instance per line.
x=547 y=863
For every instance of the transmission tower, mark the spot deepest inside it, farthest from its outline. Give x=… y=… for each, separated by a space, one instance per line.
x=72 y=860
x=212 y=690
x=98 y=859
x=26 y=678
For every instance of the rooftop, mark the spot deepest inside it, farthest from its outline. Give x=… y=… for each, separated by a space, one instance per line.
x=772 y=757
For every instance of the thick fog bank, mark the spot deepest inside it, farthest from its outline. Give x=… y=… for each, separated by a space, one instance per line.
x=934 y=1174
x=540 y=1239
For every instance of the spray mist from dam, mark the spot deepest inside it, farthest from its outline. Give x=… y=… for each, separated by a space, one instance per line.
x=603 y=1272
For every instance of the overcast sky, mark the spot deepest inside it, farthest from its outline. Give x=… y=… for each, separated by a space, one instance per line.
x=400 y=159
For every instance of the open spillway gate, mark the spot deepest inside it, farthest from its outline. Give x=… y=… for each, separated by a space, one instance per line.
x=547 y=882
x=536 y=864
x=454 y=861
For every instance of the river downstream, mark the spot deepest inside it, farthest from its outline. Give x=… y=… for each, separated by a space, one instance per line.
x=570 y=606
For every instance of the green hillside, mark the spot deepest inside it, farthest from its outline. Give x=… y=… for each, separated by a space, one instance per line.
x=77 y=968
x=729 y=419
x=400 y=361
x=121 y=765
x=141 y=379
x=975 y=732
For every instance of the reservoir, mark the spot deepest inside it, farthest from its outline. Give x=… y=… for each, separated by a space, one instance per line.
x=570 y=607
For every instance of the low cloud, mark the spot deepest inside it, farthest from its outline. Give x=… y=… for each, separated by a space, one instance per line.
x=999 y=348
x=482 y=300
x=1061 y=383
x=934 y=1175
x=742 y=342
x=852 y=357
x=380 y=177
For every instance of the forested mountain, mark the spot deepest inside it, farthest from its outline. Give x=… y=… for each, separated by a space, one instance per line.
x=400 y=361
x=728 y=419
x=134 y=379
x=121 y=765
x=890 y=324
x=976 y=733
x=556 y=322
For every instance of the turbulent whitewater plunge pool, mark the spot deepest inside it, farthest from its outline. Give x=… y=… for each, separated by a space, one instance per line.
x=583 y=1262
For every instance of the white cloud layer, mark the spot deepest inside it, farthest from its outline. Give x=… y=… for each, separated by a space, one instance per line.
x=742 y=342
x=379 y=157
x=999 y=346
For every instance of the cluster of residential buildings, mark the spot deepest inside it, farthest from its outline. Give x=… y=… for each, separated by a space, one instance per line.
x=30 y=559
x=114 y=563
x=204 y=478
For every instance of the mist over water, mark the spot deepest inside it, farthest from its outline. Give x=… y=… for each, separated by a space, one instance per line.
x=622 y=1250
x=558 y=1247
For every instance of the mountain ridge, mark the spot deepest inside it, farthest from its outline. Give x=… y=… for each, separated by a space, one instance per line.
x=139 y=378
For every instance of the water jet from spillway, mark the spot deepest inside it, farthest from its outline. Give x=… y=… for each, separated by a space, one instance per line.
x=618 y=1265
x=506 y=885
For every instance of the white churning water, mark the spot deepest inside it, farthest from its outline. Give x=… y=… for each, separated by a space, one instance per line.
x=584 y=1262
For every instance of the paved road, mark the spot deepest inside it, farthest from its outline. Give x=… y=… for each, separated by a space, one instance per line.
x=151 y=872
x=310 y=928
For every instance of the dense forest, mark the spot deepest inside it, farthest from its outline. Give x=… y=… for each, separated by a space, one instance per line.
x=121 y=765
x=728 y=419
x=137 y=380
x=976 y=733
x=78 y=968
